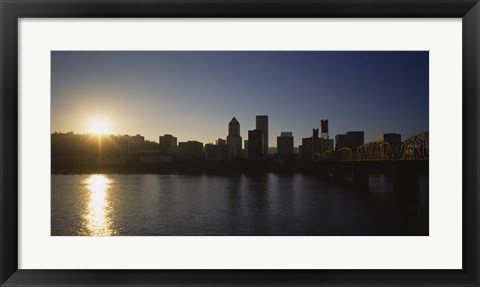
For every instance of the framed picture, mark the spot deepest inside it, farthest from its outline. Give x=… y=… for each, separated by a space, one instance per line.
x=227 y=143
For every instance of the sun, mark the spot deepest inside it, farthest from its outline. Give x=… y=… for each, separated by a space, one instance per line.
x=98 y=127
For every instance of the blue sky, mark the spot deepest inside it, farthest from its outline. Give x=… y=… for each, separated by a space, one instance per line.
x=193 y=95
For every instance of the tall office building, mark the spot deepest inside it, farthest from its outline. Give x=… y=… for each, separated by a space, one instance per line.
x=311 y=146
x=262 y=125
x=234 y=140
x=324 y=136
x=306 y=149
x=315 y=142
x=245 y=149
x=255 y=145
x=285 y=144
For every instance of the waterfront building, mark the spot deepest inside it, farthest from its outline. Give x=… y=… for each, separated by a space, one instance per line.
x=192 y=149
x=306 y=149
x=316 y=144
x=234 y=140
x=245 y=149
x=126 y=144
x=350 y=140
x=218 y=152
x=285 y=145
x=341 y=141
x=255 y=145
x=392 y=138
x=327 y=144
x=137 y=143
x=221 y=142
x=168 y=143
x=149 y=156
x=123 y=143
x=261 y=124
x=311 y=146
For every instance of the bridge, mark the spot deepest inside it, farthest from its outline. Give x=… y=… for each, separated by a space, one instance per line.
x=405 y=160
x=415 y=147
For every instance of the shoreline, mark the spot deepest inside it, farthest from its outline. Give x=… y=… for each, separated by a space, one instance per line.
x=192 y=167
x=324 y=169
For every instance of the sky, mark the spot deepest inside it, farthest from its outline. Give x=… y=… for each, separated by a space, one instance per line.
x=194 y=94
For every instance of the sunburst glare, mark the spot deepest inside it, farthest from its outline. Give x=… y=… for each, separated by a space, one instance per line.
x=98 y=127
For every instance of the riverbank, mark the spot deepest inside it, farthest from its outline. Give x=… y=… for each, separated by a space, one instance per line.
x=188 y=167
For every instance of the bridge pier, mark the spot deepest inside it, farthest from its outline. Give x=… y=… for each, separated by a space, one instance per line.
x=360 y=175
x=405 y=181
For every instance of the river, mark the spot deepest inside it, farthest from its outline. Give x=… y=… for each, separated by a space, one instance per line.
x=230 y=205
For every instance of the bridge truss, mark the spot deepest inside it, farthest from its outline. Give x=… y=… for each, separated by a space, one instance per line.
x=415 y=147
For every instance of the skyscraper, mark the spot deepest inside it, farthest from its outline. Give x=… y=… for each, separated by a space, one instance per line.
x=234 y=140
x=310 y=146
x=262 y=125
x=285 y=145
x=255 y=145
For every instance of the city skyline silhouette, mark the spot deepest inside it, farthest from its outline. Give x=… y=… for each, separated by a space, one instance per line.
x=193 y=95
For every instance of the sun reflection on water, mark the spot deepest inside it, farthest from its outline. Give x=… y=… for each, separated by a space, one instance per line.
x=98 y=221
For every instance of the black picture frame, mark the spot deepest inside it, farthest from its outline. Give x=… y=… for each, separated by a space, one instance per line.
x=11 y=11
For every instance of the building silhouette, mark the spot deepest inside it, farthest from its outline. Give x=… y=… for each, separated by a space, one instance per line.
x=245 y=150
x=310 y=147
x=327 y=144
x=285 y=145
x=261 y=124
x=350 y=140
x=69 y=150
x=218 y=152
x=221 y=142
x=168 y=143
x=190 y=149
x=306 y=149
x=324 y=129
x=316 y=145
x=234 y=140
x=123 y=143
x=255 y=145
x=391 y=138
x=394 y=139
x=137 y=143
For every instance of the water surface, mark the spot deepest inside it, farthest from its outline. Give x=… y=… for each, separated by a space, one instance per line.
x=270 y=204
